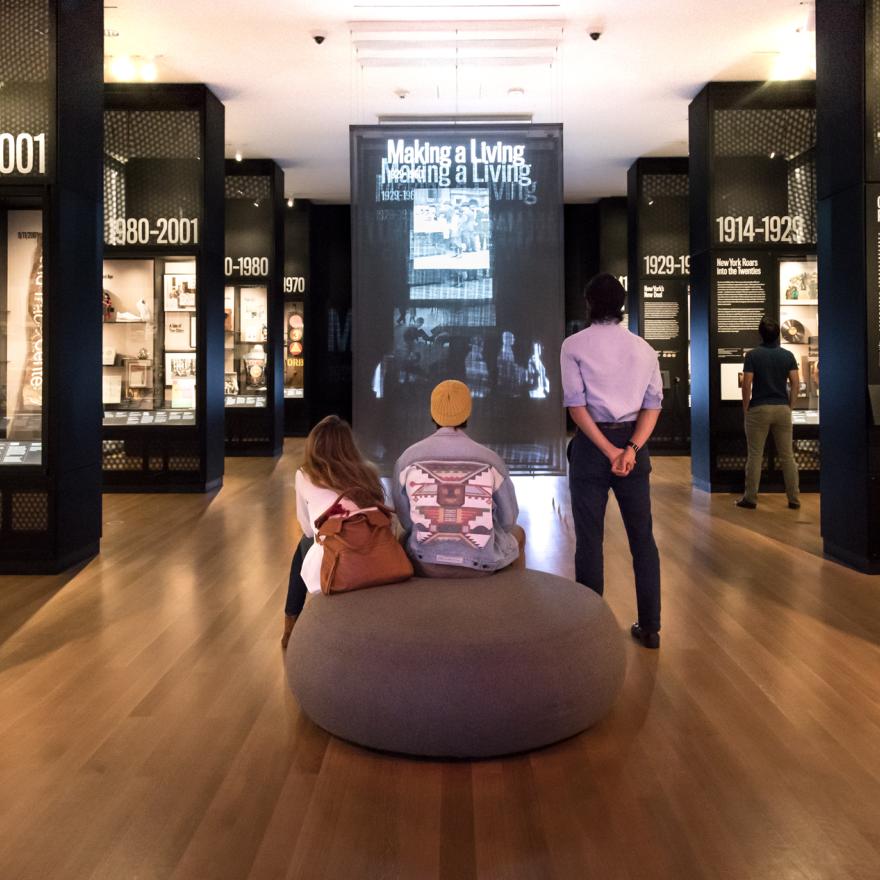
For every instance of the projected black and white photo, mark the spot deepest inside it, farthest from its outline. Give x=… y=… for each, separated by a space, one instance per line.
x=458 y=276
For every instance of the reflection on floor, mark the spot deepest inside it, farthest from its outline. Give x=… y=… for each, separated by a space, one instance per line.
x=147 y=730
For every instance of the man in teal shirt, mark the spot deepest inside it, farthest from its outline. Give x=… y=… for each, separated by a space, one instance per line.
x=769 y=391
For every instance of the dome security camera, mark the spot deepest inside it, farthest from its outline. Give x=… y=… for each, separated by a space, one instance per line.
x=594 y=35
x=319 y=37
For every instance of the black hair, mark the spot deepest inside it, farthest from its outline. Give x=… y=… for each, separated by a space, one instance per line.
x=460 y=427
x=769 y=330
x=605 y=298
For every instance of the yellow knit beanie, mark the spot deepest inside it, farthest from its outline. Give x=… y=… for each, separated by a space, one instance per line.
x=451 y=403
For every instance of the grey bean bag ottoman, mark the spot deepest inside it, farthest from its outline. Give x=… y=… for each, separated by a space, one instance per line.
x=458 y=668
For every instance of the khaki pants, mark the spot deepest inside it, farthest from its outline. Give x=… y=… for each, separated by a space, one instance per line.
x=760 y=420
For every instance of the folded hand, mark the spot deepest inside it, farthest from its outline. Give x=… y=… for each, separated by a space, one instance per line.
x=624 y=463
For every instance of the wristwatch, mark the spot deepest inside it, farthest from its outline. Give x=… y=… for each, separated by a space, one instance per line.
x=635 y=448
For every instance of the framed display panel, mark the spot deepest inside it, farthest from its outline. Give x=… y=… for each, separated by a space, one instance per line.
x=294 y=353
x=150 y=341
x=659 y=265
x=162 y=319
x=753 y=217
x=253 y=308
x=295 y=283
x=453 y=232
x=51 y=60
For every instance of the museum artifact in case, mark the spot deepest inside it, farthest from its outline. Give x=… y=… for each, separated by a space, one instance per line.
x=295 y=283
x=253 y=308
x=161 y=366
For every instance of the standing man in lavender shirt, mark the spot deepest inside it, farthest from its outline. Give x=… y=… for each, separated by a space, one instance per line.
x=611 y=385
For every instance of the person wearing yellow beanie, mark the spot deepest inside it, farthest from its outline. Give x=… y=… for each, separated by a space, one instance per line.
x=455 y=498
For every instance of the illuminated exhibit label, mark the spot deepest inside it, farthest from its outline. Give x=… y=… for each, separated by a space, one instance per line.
x=22 y=153
x=500 y=165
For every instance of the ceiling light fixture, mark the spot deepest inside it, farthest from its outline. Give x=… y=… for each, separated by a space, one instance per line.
x=797 y=57
x=290 y=203
x=238 y=156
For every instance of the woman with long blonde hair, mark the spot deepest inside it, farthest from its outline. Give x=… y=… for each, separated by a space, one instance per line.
x=332 y=464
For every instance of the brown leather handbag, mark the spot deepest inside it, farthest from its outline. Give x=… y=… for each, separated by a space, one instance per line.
x=360 y=549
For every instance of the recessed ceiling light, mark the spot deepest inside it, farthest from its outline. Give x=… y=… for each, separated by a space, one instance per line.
x=290 y=203
x=149 y=73
x=238 y=156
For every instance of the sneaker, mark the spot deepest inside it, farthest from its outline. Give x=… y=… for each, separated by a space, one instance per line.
x=647 y=639
x=748 y=505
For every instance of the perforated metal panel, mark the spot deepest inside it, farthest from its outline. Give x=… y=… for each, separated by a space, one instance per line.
x=664 y=220
x=764 y=165
x=25 y=54
x=873 y=87
x=254 y=187
x=153 y=166
x=30 y=512
x=118 y=455
x=806 y=454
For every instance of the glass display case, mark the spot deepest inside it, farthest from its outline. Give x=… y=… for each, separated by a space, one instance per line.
x=799 y=331
x=246 y=341
x=150 y=310
x=294 y=352
x=21 y=336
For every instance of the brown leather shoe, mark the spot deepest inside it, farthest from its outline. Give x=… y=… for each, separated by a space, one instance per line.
x=289 y=621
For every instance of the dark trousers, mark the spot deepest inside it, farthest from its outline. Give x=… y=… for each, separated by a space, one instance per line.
x=296 y=587
x=590 y=480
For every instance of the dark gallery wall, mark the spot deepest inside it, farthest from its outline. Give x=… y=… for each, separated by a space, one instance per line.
x=581 y=260
x=329 y=376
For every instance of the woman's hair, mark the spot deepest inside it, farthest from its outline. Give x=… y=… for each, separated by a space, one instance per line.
x=605 y=299
x=333 y=461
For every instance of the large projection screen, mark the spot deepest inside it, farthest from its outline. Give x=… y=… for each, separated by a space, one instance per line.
x=457 y=252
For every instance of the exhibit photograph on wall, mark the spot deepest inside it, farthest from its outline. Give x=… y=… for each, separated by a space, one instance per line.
x=457 y=245
x=799 y=329
x=21 y=338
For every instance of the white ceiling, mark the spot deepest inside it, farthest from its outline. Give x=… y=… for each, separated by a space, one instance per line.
x=622 y=97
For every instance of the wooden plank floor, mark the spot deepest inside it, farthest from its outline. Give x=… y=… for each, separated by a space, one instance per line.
x=146 y=730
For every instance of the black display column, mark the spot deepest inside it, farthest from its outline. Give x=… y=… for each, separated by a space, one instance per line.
x=254 y=308
x=162 y=357
x=753 y=252
x=659 y=276
x=297 y=316
x=51 y=74
x=848 y=162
